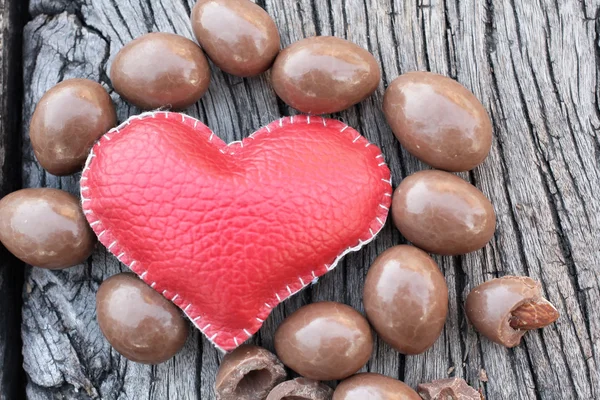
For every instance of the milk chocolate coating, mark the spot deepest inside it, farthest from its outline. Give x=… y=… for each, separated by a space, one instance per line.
x=489 y=307
x=373 y=387
x=324 y=74
x=238 y=35
x=444 y=389
x=324 y=341
x=45 y=228
x=406 y=299
x=139 y=322
x=248 y=373
x=443 y=214
x=438 y=120
x=301 y=389
x=160 y=70
x=67 y=121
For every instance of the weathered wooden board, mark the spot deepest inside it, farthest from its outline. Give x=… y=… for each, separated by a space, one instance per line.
x=533 y=64
x=11 y=271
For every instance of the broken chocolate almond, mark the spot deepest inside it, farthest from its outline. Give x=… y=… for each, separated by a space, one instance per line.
x=248 y=373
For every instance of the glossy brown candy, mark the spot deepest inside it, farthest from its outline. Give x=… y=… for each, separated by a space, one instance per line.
x=160 y=70
x=238 y=35
x=406 y=299
x=301 y=389
x=441 y=213
x=324 y=341
x=248 y=373
x=45 y=228
x=374 y=387
x=324 y=74
x=137 y=321
x=438 y=120
x=67 y=121
x=504 y=309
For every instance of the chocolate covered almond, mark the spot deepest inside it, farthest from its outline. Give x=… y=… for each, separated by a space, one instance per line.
x=406 y=299
x=504 y=309
x=374 y=387
x=139 y=322
x=324 y=74
x=67 y=121
x=160 y=70
x=438 y=120
x=238 y=35
x=45 y=228
x=443 y=214
x=324 y=341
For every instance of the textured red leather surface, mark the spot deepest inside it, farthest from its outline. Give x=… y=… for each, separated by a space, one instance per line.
x=227 y=232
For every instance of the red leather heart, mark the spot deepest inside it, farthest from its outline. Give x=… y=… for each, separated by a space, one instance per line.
x=227 y=232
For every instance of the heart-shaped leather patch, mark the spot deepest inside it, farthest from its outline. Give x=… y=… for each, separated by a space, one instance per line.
x=227 y=232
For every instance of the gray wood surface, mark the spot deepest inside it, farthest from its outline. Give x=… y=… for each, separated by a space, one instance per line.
x=11 y=271
x=534 y=65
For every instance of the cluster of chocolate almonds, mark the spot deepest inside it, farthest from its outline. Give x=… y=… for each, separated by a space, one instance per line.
x=45 y=227
x=315 y=75
x=253 y=373
x=444 y=125
x=405 y=296
x=317 y=341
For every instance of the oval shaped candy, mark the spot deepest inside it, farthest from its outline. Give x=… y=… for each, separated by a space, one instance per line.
x=67 y=121
x=441 y=213
x=238 y=35
x=324 y=74
x=438 y=120
x=374 y=387
x=45 y=228
x=139 y=322
x=324 y=341
x=160 y=70
x=406 y=299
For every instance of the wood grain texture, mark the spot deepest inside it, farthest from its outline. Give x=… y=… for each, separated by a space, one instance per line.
x=11 y=271
x=533 y=64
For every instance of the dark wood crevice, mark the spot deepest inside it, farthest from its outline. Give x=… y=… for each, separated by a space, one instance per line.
x=12 y=19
